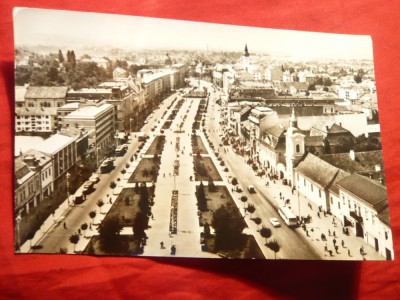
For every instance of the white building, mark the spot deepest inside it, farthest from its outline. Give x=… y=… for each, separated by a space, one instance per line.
x=365 y=210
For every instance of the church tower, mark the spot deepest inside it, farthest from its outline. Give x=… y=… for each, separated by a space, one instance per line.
x=295 y=148
x=246 y=59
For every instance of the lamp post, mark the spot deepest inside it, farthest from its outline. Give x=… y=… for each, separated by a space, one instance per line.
x=68 y=176
x=18 y=220
x=298 y=200
x=97 y=159
x=130 y=127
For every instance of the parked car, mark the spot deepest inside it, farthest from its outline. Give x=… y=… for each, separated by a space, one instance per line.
x=251 y=189
x=275 y=222
x=95 y=178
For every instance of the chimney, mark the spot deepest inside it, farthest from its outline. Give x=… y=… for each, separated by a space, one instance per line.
x=352 y=155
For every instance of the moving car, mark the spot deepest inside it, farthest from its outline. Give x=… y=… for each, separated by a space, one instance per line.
x=275 y=222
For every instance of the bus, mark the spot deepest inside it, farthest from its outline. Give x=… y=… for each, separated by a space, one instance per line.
x=288 y=216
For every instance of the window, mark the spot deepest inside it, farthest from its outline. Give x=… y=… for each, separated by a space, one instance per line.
x=338 y=204
x=331 y=200
x=297 y=148
x=304 y=182
x=312 y=187
x=319 y=192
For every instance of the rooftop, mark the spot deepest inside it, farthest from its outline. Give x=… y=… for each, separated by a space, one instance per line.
x=54 y=144
x=317 y=170
x=46 y=92
x=367 y=190
x=89 y=112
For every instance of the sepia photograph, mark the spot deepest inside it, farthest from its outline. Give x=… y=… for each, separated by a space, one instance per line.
x=138 y=136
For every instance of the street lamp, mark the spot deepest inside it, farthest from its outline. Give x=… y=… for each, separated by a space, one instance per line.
x=68 y=176
x=97 y=159
x=18 y=220
x=298 y=199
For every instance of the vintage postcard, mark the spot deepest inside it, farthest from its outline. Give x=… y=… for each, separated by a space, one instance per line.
x=152 y=137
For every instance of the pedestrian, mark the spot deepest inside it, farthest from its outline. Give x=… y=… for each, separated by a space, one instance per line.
x=329 y=232
x=110 y=200
x=336 y=249
x=342 y=243
x=326 y=247
x=334 y=241
x=162 y=245
x=79 y=231
x=334 y=234
x=348 y=252
x=65 y=225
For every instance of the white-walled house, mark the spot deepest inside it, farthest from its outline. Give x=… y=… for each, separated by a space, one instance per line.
x=365 y=209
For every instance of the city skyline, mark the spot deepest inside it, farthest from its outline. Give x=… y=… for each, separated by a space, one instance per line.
x=49 y=27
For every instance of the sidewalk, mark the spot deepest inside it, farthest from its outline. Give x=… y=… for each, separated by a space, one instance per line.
x=322 y=225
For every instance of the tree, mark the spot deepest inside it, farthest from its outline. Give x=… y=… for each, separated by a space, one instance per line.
x=258 y=222
x=109 y=231
x=60 y=56
x=228 y=228
x=52 y=74
x=207 y=232
x=84 y=227
x=274 y=245
x=211 y=186
x=251 y=209
x=74 y=239
x=73 y=59
x=113 y=185
x=244 y=200
x=100 y=203
x=92 y=215
x=143 y=203
x=139 y=226
x=358 y=78
x=265 y=232
x=201 y=198
x=234 y=181
x=30 y=236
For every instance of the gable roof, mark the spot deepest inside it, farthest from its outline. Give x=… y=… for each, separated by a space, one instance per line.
x=317 y=170
x=367 y=190
x=316 y=140
x=334 y=188
x=275 y=131
x=46 y=92
x=335 y=128
x=364 y=162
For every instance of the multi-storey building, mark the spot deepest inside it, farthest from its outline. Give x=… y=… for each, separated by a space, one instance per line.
x=38 y=113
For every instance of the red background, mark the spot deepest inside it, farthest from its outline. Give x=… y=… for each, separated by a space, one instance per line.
x=73 y=277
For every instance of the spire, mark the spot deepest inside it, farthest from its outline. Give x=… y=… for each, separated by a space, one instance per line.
x=246 y=51
x=293 y=119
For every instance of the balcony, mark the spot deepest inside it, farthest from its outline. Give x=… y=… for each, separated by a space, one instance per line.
x=356 y=217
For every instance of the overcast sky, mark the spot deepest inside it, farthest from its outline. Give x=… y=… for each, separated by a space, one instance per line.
x=68 y=29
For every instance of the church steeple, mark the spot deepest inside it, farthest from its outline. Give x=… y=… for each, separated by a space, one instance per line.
x=293 y=119
x=246 y=51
